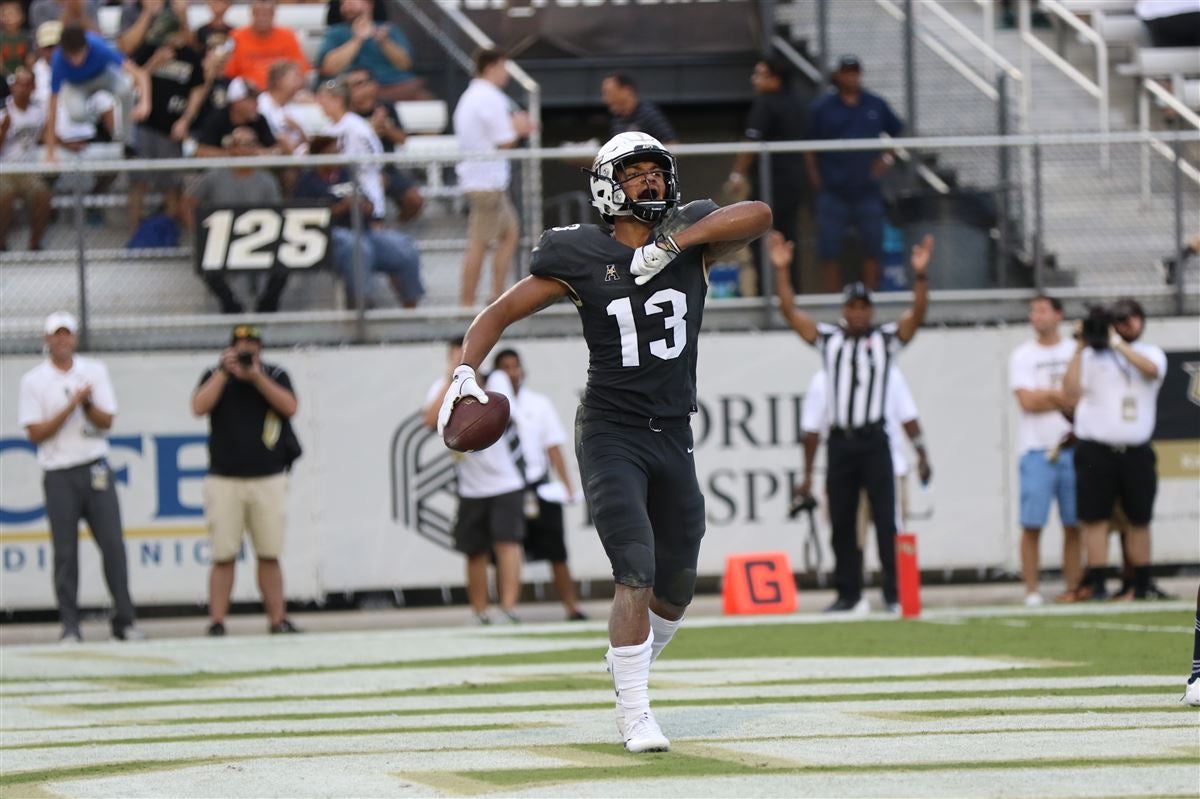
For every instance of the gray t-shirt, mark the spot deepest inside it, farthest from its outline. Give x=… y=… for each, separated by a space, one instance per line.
x=47 y=10
x=222 y=187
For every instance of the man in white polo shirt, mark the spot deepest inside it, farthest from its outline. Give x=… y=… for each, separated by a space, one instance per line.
x=1114 y=386
x=1047 y=470
x=484 y=122
x=489 y=527
x=67 y=406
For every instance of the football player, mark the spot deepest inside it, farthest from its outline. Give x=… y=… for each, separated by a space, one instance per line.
x=639 y=284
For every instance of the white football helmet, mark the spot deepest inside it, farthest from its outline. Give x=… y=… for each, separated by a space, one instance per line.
x=607 y=195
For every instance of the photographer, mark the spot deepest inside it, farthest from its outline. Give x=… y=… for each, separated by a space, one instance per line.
x=251 y=447
x=1113 y=382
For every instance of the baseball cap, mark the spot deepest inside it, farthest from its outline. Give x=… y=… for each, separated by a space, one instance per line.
x=849 y=62
x=49 y=33
x=240 y=89
x=855 y=291
x=59 y=320
x=1125 y=308
x=251 y=332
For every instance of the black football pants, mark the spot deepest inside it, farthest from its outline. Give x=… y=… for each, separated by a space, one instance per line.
x=856 y=463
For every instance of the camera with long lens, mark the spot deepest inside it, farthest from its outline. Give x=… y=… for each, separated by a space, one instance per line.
x=1096 y=327
x=245 y=359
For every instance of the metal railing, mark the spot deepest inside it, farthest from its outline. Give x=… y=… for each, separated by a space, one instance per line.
x=1152 y=88
x=1097 y=88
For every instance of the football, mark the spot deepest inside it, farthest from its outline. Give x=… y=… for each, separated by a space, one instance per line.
x=473 y=425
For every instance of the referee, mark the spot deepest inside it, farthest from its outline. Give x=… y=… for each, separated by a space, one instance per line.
x=857 y=356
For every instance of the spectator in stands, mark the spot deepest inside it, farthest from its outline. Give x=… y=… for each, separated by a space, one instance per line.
x=619 y=93
x=72 y=135
x=16 y=45
x=259 y=45
x=216 y=85
x=1113 y=382
x=484 y=122
x=85 y=64
x=216 y=28
x=355 y=137
x=284 y=82
x=385 y=252
x=777 y=114
x=176 y=84
x=22 y=124
x=150 y=22
x=223 y=188
x=381 y=48
x=364 y=101
x=1171 y=23
x=251 y=449
x=848 y=182
x=333 y=13
x=240 y=111
x=84 y=13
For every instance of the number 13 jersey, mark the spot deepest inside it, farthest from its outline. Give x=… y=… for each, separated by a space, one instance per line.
x=641 y=339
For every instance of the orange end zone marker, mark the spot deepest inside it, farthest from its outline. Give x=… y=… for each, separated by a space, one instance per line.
x=759 y=582
x=908 y=575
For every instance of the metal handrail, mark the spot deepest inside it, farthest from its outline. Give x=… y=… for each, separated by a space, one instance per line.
x=1152 y=87
x=577 y=152
x=797 y=60
x=1097 y=88
x=944 y=53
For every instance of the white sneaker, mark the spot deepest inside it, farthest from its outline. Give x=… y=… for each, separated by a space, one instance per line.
x=642 y=733
x=1191 y=694
x=1034 y=600
x=861 y=608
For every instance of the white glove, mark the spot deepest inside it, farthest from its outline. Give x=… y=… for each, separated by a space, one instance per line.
x=648 y=261
x=462 y=384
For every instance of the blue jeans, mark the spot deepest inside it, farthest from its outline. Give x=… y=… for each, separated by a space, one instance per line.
x=387 y=252
x=1041 y=483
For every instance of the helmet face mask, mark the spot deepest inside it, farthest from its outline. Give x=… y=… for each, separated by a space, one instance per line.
x=609 y=196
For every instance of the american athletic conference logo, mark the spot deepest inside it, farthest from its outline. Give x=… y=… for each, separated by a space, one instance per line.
x=424 y=484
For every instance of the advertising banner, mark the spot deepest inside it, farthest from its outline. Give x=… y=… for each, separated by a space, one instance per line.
x=371 y=501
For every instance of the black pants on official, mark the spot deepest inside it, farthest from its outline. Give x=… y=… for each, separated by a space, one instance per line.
x=71 y=495
x=857 y=462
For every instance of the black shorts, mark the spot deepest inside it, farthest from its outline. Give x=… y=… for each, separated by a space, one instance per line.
x=544 y=535
x=1104 y=474
x=484 y=521
x=645 y=501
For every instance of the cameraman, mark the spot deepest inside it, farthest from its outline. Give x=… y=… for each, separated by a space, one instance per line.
x=1113 y=382
x=251 y=447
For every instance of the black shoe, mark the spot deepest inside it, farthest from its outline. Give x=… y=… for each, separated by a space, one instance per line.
x=1154 y=592
x=841 y=605
x=215 y=630
x=577 y=616
x=284 y=626
x=129 y=633
x=70 y=635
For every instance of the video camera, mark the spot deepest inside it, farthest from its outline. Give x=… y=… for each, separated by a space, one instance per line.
x=1095 y=328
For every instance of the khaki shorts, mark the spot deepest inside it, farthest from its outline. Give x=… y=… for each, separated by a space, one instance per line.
x=28 y=187
x=492 y=216
x=237 y=505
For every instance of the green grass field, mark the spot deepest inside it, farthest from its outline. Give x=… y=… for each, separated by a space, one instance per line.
x=977 y=703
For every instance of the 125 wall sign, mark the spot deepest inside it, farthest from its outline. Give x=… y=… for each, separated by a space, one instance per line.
x=260 y=239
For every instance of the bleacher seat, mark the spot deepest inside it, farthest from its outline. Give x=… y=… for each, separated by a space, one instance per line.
x=423 y=116
x=1124 y=29
x=1163 y=62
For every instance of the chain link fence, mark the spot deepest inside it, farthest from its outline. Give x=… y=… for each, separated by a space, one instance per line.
x=1009 y=213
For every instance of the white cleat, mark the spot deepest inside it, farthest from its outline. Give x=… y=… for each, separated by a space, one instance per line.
x=1191 y=694
x=642 y=733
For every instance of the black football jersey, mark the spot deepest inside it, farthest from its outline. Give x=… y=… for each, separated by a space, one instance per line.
x=641 y=339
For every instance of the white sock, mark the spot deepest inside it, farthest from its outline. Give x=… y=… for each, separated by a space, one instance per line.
x=630 y=667
x=662 y=630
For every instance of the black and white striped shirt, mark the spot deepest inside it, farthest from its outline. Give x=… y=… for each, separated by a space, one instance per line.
x=857 y=367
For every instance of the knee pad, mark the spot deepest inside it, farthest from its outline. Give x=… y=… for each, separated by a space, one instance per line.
x=633 y=565
x=676 y=586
